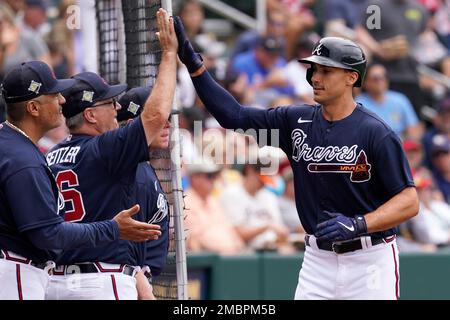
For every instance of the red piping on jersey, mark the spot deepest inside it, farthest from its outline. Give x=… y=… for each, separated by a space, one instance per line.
x=396 y=273
x=8 y=257
x=19 y=282
x=116 y=295
x=390 y=238
x=101 y=269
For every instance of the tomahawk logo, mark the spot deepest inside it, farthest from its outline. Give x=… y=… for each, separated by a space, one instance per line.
x=359 y=171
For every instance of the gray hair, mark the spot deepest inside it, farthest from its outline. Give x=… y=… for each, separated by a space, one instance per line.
x=75 y=122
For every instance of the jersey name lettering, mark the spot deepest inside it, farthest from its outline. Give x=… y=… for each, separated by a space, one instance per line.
x=63 y=155
x=301 y=150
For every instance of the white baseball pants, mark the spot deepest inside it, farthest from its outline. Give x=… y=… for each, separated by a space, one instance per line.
x=92 y=286
x=22 y=281
x=371 y=273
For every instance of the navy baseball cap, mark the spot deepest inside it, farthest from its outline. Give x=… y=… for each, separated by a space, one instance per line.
x=132 y=103
x=440 y=143
x=37 y=3
x=444 y=105
x=271 y=44
x=88 y=89
x=30 y=80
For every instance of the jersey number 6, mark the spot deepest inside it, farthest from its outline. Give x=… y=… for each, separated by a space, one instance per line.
x=67 y=181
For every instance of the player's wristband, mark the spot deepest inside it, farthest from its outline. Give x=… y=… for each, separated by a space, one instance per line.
x=360 y=225
x=148 y=274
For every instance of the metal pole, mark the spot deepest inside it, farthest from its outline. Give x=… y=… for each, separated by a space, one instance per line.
x=178 y=215
x=231 y=13
x=261 y=16
x=121 y=49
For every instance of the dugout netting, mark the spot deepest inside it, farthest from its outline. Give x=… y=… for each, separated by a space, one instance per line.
x=129 y=52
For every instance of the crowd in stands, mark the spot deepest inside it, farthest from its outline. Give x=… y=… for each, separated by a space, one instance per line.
x=231 y=208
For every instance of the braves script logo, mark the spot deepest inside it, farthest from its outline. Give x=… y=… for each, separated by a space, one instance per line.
x=344 y=159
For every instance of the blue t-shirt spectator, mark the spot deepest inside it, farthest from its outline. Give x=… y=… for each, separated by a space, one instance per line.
x=247 y=63
x=395 y=110
x=348 y=10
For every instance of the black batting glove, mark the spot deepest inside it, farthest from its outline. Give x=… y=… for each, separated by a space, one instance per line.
x=188 y=56
x=340 y=227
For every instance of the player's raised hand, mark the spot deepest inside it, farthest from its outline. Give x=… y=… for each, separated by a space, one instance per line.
x=186 y=53
x=340 y=227
x=166 y=34
x=130 y=229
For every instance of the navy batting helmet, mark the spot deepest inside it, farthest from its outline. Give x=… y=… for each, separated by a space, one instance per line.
x=339 y=53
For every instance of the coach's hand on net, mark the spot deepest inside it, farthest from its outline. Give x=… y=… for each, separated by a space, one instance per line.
x=188 y=56
x=130 y=229
x=340 y=227
x=166 y=32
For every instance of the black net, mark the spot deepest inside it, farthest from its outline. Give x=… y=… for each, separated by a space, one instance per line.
x=142 y=47
x=108 y=12
x=142 y=54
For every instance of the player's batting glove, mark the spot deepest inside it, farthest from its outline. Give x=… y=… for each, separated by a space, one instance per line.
x=340 y=227
x=188 y=56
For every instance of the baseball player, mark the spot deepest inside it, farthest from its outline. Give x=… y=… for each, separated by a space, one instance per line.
x=95 y=169
x=32 y=231
x=151 y=255
x=353 y=185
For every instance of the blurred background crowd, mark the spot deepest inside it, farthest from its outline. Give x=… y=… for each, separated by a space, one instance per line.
x=231 y=208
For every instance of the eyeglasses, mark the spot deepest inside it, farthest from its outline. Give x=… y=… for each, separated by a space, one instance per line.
x=113 y=102
x=440 y=153
x=377 y=77
x=211 y=176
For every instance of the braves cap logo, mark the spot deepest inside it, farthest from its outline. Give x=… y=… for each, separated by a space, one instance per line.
x=318 y=50
x=133 y=107
x=34 y=86
x=87 y=96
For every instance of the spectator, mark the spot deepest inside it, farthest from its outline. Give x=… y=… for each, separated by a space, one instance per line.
x=248 y=40
x=299 y=18
x=393 y=107
x=432 y=224
x=208 y=226
x=288 y=210
x=402 y=22
x=17 y=8
x=414 y=154
x=443 y=22
x=258 y=64
x=294 y=73
x=254 y=211
x=440 y=157
x=18 y=45
x=61 y=42
x=237 y=85
x=342 y=16
x=35 y=18
x=414 y=235
x=441 y=126
x=192 y=14
x=429 y=50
